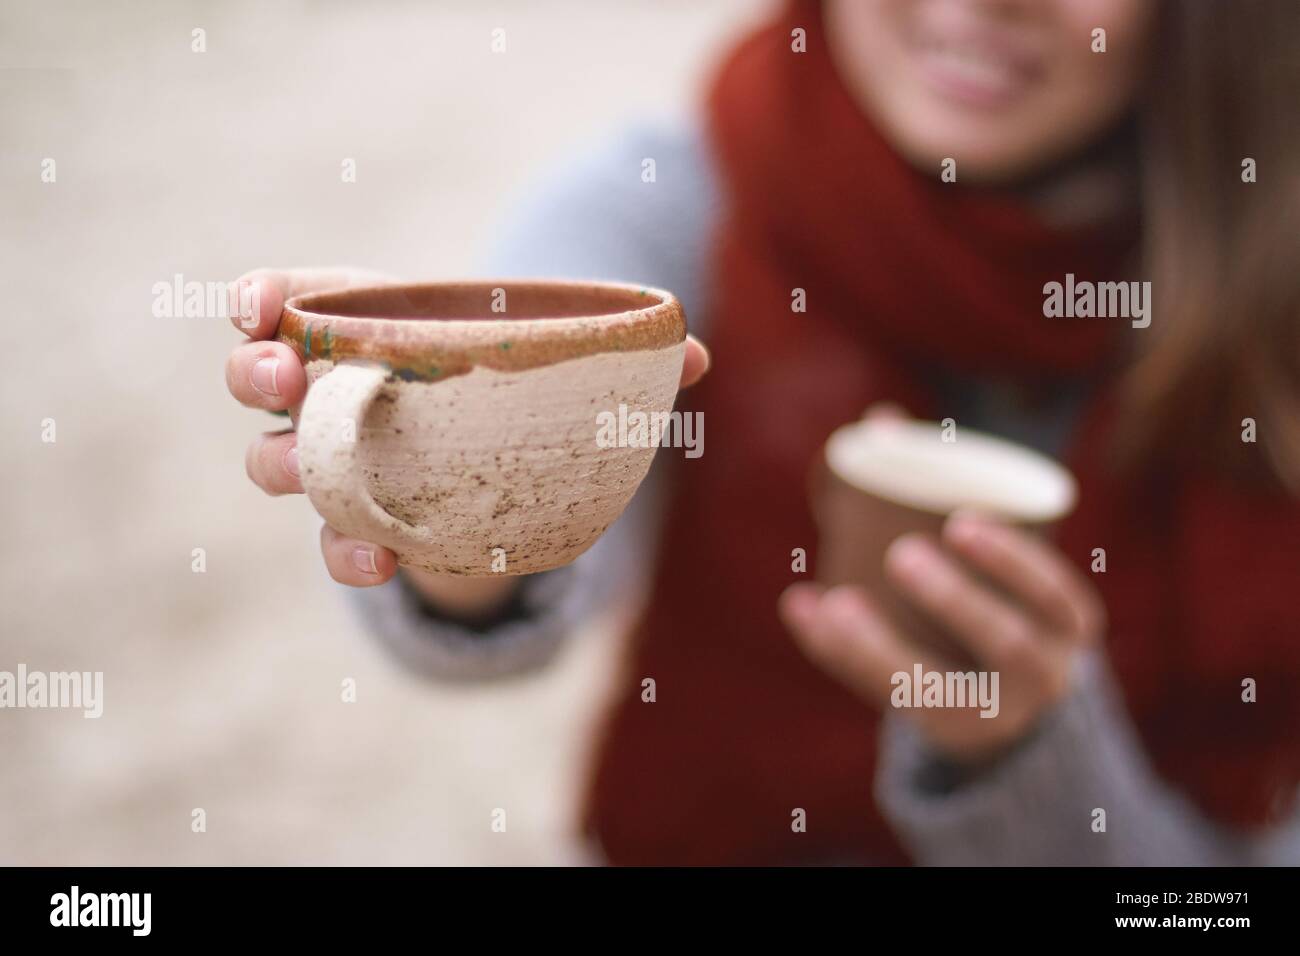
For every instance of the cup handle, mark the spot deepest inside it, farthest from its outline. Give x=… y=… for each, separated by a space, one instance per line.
x=329 y=432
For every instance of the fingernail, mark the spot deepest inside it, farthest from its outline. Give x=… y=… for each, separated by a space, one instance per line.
x=242 y=302
x=964 y=526
x=232 y=303
x=263 y=376
x=364 y=559
x=291 y=460
x=799 y=602
x=972 y=528
x=911 y=556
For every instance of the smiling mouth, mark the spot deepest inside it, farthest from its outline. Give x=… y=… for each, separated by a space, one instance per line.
x=977 y=72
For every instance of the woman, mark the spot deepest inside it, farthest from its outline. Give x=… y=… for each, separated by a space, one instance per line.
x=917 y=172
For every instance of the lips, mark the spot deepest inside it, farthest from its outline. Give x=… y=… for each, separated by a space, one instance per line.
x=978 y=69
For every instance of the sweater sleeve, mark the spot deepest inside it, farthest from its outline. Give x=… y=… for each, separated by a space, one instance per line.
x=1039 y=804
x=593 y=217
x=435 y=646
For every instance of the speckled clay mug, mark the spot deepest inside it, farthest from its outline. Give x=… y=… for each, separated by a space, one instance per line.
x=457 y=422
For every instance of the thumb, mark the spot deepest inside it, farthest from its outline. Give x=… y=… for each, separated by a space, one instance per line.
x=256 y=298
x=696 y=363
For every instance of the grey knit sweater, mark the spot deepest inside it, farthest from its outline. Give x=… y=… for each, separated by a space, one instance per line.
x=597 y=218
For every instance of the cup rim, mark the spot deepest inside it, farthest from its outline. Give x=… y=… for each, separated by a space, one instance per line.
x=1059 y=491
x=430 y=348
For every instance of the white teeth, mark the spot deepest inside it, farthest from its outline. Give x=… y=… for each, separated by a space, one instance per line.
x=975 y=66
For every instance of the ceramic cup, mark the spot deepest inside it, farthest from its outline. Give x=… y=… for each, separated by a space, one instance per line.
x=882 y=478
x=456 y=423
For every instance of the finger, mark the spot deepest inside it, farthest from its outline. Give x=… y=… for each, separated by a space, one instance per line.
x=266 y=375
x=257 y=298
x=696 y=363
x=355 y=563
x=885 y=412
x=845 y=635
x=1030 y=568
x=987 y=625
x=798 y=602
x=272 y=463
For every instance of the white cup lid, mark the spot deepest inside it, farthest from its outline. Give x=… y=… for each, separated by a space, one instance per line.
x=908 y=462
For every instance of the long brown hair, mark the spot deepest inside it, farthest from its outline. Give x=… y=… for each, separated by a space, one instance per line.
x=1223 y=254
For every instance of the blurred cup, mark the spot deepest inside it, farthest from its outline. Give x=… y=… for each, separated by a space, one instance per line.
x=881 y=478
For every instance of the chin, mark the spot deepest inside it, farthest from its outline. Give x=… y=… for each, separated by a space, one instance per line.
x=988 y=156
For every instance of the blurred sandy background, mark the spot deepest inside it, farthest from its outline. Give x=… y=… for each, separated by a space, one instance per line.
x=222 y=689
